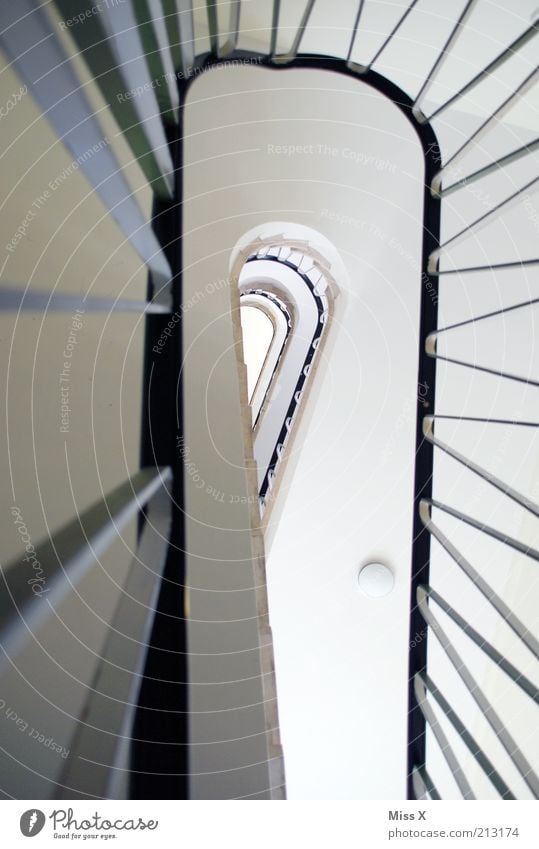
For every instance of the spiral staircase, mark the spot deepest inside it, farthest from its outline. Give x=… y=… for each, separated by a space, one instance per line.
x=111 y=648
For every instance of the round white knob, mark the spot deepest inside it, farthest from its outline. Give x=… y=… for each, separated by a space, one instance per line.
x=376 y=580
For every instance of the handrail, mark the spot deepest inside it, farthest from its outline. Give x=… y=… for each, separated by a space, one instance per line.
x=517 y=757
x=111 y=47
x=492 y=167
x=213 y=26
x=527 y=503
x=65 y=557
x=353 y=38
x=185 y=23
x=98 y=764
x=426 y=684
x=497 y=266
x=446 y=749
x=529 y=551
x=488 y=70
x=423 y=785
x=514 y=674
x=154 y=37
x=478 y=581
x=12 y=299
x=40 y=59
x=502 y=206
x=484 y=128
x=454 y=35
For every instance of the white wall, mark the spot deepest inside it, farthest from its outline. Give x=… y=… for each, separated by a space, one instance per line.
x=341 y=668
x=342 y=659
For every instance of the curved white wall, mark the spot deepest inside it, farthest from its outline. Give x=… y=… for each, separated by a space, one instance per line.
x=325 y=151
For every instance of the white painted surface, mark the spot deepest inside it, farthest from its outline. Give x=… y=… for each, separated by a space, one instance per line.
x=376 y=580
x=341 y=658
x=347 y=494
x=226 y=201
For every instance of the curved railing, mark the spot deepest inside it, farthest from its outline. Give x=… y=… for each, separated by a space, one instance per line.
x=474 y=441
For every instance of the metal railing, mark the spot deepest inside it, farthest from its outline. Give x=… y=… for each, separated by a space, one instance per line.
x=312 y=276
x=443 y=180
x=127 y=48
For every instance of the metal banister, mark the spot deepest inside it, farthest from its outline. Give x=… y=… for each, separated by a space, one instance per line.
x=65 y=557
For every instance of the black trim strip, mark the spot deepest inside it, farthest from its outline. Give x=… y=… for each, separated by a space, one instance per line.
x=159 y=758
